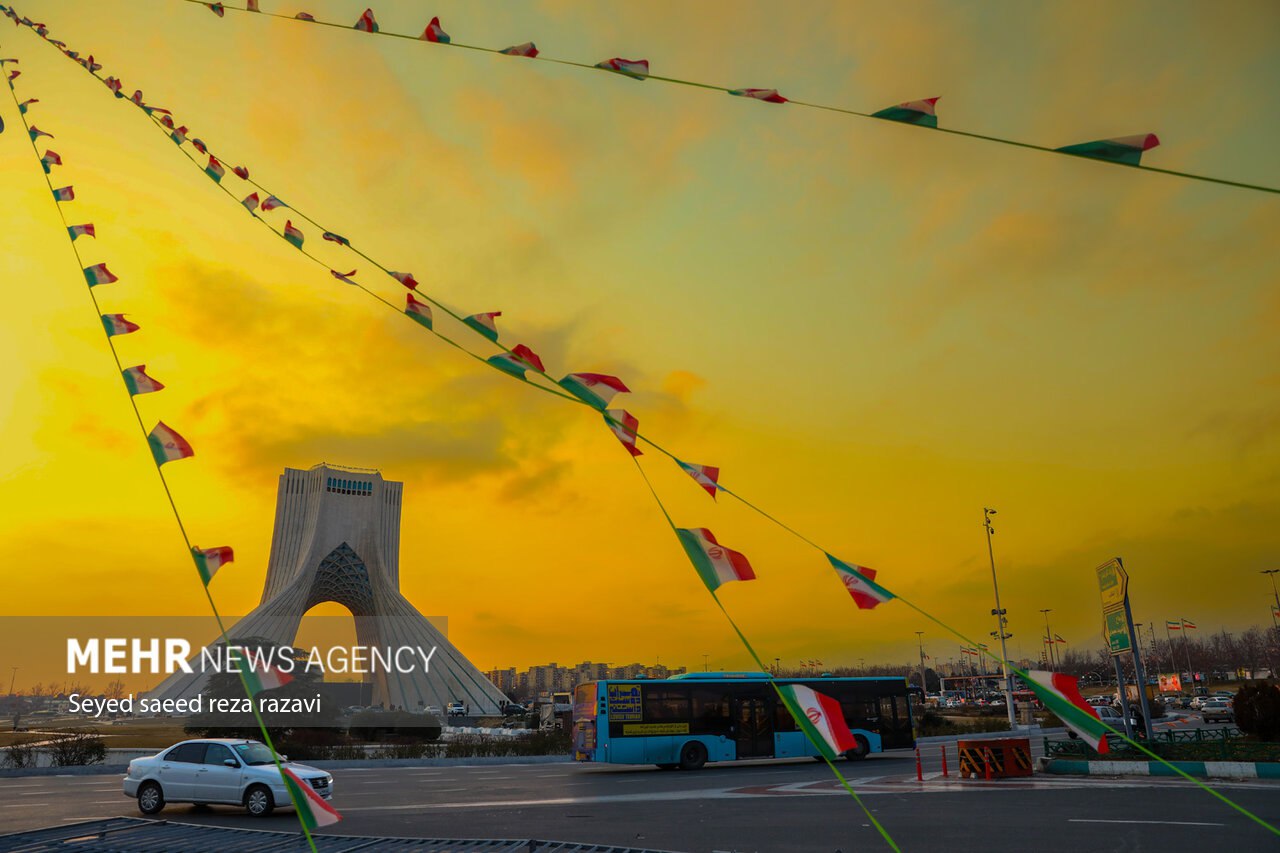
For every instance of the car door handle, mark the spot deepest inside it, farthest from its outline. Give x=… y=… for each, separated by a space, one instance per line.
x=203 y=770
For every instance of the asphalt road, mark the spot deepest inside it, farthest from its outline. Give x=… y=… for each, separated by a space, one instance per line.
x=752 y=806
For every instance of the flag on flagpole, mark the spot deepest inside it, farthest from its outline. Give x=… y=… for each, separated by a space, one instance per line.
x=861 y=583
x=312 y=808
x=209 y=560
x=419 y=311
x=94 y=67
x=272 y=203
x=637 y=69
x=769 y=95
x=214 y=169
x=434 y=33
x=516 y=362
x=1122 y=149
x=241 y=172
x=293 y=235
x=706 y=476
x=167 y=445
x=179 y=135
x=35 y=133
x=64 y=194
x=137 y=97
x=821 y=718
x=138 y=382
x=528 y=49
x=715 y=563
x=1170 y=625
x=82 y=231
x=199 y=145
x=484 y=324
x=250 y=202
x=22 y=107
x=335 y=238
x=217 y=9
x=624 y=426
x=1057 y=638
x=344 y=277
x=366 y=24
x=922 y=112
x=405 y=278
x=1187 y=623
x=1060 y=693
x=116 y=324
x=594 y=389
x=99 y=274
x=115 y=86
x=49 y=160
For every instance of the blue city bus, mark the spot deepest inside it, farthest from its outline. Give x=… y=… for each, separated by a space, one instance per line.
x=687 y=720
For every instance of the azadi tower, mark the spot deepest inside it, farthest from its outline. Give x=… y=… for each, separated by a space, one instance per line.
x=337 y=538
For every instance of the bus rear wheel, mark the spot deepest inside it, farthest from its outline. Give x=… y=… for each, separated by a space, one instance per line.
x=860 y=751
x=692 y=756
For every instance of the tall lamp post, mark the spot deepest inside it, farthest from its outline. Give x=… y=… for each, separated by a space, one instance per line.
x=1048 y=636
x=924 y=689
x=1000 y=621
x=1274 y=593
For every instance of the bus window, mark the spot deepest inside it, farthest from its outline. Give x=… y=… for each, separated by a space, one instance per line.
x=666 y=705
x=710 y=712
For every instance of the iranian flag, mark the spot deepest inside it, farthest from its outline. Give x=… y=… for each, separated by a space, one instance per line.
x=250 y=202
x=138 y=382
x=214 y=169
x=367 y=24
x=1060 y=693
x=922 y=112
x=1122 y=149
x=293 y=235
x=179 y=135
x=861 y=583
x=81 y=231
x=635 y=68
x=528 y=49
x=625 y=426
x=22 y=107
x=715 y=563
x=272 y=203
x=64 y=194
x=768 y=95
x=35 y=133
x=241 y=172
x=1187 y=623
x=485 y=323
x=209 y=560
x=516 y=362
x=116 y=324
x=99 y=274
x=167 y=445
x=705 y=475
x=419 y=311
x=820 y=718
x=434 y=33
x=1170 y=625
x=405 y=278
x=594 y=389
x=312 y=809
x=49 y=160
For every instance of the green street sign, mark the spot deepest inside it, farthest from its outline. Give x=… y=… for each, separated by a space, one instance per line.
x=1115 y=629
x=1113 y=583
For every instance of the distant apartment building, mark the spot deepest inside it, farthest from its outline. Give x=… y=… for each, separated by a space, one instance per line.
x=540 y=682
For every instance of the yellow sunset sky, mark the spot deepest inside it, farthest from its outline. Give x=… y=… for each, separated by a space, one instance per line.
x=873 y=329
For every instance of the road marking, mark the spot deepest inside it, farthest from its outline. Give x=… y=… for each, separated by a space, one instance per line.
x=1156 y=822
x=24 y=806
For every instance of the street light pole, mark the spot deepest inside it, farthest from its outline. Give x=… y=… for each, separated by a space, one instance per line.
x=1000 y=620
x=1048 y=636
x=13 y=678
x=1274 y=593
x=924 y=689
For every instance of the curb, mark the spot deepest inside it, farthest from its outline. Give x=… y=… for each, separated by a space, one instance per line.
x=477 y=761
x=1201 y=769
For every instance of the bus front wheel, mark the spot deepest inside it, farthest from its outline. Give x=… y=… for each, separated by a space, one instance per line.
x=692 y=756
x=860 y=751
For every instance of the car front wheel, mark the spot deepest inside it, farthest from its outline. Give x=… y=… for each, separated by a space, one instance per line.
x=258 y=801
x=150 y=798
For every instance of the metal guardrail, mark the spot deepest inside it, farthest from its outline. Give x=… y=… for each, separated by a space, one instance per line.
x=1225 y=738
x=136 y=835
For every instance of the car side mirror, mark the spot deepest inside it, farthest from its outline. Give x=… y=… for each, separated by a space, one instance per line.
x=284 y=758
x=231 y=762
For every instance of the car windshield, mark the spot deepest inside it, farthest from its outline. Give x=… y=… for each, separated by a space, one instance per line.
x=254 y=754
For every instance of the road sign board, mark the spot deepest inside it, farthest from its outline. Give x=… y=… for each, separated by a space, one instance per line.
x=1113 y=583
x=1115 y=629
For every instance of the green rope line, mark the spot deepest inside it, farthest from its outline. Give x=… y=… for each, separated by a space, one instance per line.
x=133 y=404
x=841 y=110
x=795 y=712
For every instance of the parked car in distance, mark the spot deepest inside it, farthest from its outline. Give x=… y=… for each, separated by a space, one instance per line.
x=1217 y=710
x=218 y=770
x=457 y=709
x=1099 y=701
x=514 y=709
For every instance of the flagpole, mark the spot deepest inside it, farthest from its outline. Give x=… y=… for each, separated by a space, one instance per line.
x=1186 y=647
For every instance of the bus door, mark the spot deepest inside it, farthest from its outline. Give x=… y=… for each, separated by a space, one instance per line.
x=753 y=729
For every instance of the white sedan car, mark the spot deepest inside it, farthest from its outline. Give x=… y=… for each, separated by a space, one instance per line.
x=217 y=770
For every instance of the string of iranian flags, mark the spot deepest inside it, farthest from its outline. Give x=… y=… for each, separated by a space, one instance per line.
x=1120 y=150
x=818 y=715
x=166 y=445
